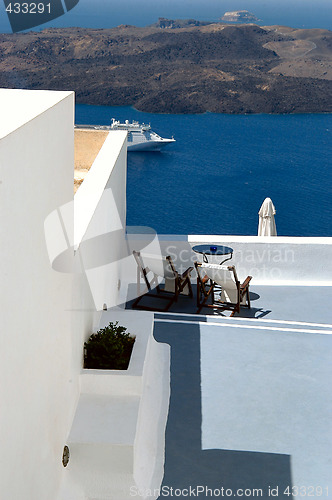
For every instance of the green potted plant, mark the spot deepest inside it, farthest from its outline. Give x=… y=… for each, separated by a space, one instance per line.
x=109 y=349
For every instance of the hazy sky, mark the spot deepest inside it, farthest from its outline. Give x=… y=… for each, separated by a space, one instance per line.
x=109 y=13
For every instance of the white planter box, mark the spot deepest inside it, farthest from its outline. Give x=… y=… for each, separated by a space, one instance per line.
x=121 y=382
x=117 y=437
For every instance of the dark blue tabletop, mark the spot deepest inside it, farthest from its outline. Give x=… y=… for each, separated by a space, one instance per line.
x=212 y=249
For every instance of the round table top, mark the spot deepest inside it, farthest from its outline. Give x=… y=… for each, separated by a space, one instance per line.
x=212 y=249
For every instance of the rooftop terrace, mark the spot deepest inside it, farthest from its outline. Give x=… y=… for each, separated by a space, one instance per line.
x=250 y=403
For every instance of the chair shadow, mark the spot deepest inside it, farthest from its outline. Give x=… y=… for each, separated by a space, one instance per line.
x=187 y=305
x=253 y=312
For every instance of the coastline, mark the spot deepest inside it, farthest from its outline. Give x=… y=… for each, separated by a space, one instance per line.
x=241 y=69
x=120 y=107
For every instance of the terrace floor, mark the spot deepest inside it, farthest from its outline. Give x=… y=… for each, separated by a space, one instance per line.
x=250 y=404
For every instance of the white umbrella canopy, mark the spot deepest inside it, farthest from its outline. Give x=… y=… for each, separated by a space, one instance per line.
x=266 y=222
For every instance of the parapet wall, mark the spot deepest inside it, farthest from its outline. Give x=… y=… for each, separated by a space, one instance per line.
x=270 y=260
x=278 y=260
x=100 y=219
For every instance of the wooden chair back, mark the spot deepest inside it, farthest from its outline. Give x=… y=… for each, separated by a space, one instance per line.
x=222 y=280
x=161 y=267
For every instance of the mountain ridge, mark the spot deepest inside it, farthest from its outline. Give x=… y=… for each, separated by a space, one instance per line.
x=194 y=69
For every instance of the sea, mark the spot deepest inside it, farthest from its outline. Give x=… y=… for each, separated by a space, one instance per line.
x=108 y=13
x=214 y=179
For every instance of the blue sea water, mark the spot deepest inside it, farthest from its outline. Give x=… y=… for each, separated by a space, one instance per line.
x=214 y=179
x=108 y=13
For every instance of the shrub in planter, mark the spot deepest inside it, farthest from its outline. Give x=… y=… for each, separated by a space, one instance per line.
x=109 y=349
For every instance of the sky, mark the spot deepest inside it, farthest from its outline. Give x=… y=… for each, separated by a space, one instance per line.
x=110 y=13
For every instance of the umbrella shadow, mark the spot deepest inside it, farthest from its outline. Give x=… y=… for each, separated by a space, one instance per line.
x=254 y=296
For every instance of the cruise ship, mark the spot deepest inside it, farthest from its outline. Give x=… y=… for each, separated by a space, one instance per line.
x=140 y=136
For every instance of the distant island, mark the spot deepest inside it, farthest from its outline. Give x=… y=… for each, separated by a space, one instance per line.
x=239 y=16
x=177 y=66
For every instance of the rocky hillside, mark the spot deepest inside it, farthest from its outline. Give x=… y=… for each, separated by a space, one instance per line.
x=217 y=68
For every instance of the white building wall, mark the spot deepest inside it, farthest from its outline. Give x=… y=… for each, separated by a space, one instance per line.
x=41 y=335
x=100 y=220
x=61 y=262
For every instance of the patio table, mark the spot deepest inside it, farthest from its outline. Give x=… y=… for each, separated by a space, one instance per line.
x=213 y=250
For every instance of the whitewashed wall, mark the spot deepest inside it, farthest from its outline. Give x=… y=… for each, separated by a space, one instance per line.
x=39 y=384
x=47 y=311
x=278 y=260
x=100 y=220
x=61 y=262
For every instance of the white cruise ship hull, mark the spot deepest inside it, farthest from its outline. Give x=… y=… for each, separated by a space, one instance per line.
x=148 y=145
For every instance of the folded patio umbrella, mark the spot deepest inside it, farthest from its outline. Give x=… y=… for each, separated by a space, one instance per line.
x=266 y=222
